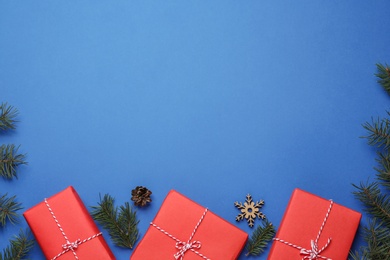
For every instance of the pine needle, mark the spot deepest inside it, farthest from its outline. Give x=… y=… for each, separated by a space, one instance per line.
x=7 y=116
x=377 y=200
x=122 y=223
x=10 y=160
x=260 y=238
x=8 y=210
x=376 y=203
x=384 y=169
x=379 y=133
x=378 y=243
x=19 y=247
x=383 y=76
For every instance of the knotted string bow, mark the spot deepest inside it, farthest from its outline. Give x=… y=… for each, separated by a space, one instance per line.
x=72 y=245
x=185 y=246
x=314 y=252
x=69 y=246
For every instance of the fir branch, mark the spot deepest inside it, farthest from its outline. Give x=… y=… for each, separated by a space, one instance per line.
x=377 y=204
x=10 y=160
x=19 y=247
x=379 y=133
x=260 y=238
x=7 y=116
x=376 y=201
x=384 y=76
x=8 y=210
x=383 y=172
x=378 y=243
x=122 y=224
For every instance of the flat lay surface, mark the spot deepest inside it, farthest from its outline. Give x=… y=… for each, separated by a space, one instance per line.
x=215 y=100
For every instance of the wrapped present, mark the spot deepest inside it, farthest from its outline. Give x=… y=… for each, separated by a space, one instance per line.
x=65 y=230
x=182 y=229
x=314 y=228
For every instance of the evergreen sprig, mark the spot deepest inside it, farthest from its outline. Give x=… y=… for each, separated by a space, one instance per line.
x=377 y=204
x=377 y=237
x=383 y=76
x=375 y=199
x=8 y=209
x=379 y=132
x=10 y=159
x=121 y=223
x=383 y=171
x=7 y=116
x=260 y=238
x=19 y=247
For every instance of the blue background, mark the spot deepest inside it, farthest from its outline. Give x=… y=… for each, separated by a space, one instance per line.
x=215 y=99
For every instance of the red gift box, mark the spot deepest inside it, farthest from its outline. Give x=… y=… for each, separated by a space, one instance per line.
x=65 y=230
x=314 y=228
x=185 y=230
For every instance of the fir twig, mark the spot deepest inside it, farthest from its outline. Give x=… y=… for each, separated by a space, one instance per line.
x=8 y=210
x=379 y=133
x=383 y=172
x=377 y=204
x=260 y=238
x=10 y=160
x=377 y=201
x=122 y=223
x=7 y=116
x=384 y=76
x=19 y=247
x=378 y=243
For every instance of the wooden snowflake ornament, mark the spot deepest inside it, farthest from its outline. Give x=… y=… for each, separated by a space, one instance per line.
x=249 y=210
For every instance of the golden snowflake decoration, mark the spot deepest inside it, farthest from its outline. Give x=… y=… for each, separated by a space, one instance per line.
x=249 y=210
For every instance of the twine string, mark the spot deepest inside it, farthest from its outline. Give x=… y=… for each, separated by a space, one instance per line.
x=182 y=246
x=71 y=245
x=314 y=252
x=68 y=246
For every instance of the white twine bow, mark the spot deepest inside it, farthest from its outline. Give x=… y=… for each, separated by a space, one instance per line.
x=72 y=245
x=69 y=246
x=314 y=252
x=185 y=246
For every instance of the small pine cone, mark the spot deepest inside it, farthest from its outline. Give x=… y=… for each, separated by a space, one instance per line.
x=141 y=196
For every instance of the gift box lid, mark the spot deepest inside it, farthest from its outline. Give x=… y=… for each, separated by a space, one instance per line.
x=178 y=217
x=305 y=214
x=63 y=218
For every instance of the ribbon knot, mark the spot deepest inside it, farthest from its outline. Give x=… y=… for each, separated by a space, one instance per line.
x=71 y=245
x=314 y=253
x=311 y=254
x=183 y=247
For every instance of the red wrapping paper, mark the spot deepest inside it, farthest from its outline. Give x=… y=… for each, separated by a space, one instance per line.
x=302 y=221
x=76 y=223
x=178 y=215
